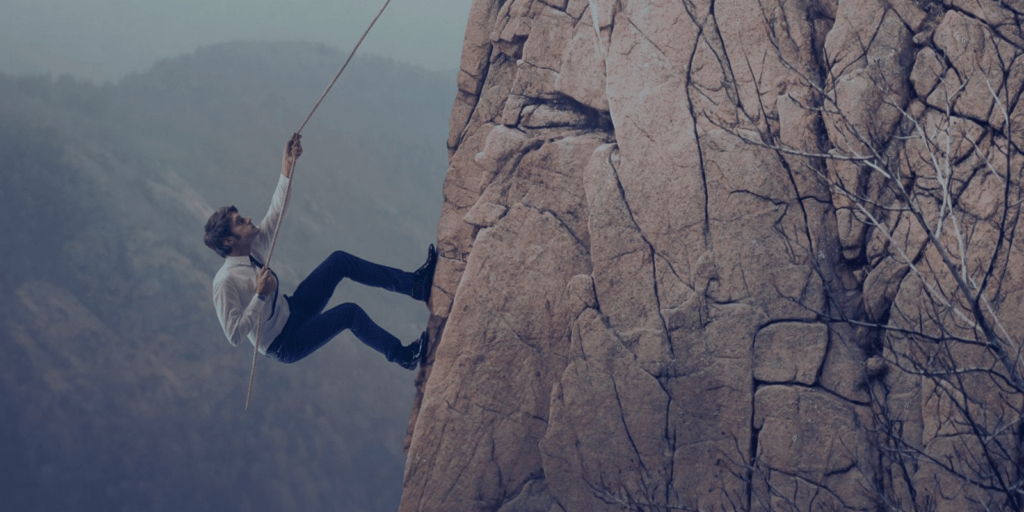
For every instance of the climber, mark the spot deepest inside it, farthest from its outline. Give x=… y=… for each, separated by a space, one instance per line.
x=295 y=326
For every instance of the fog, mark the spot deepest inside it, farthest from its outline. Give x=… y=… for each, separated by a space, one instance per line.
x=104 y=40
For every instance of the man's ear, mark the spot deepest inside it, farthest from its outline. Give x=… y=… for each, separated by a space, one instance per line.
x=228 y=242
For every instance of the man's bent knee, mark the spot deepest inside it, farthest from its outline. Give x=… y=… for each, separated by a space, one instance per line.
x=336 y=255
x=351 y=310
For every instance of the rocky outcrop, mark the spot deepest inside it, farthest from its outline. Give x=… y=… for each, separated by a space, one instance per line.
x=693 y=258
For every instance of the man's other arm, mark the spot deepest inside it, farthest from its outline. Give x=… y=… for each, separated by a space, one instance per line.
x=236 y=321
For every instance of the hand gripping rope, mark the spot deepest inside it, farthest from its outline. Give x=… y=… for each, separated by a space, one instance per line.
x=288 y=194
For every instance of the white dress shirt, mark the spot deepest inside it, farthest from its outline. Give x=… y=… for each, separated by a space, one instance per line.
x=234 y=286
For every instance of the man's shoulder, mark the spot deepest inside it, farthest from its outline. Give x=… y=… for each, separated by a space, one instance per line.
x=221 y=276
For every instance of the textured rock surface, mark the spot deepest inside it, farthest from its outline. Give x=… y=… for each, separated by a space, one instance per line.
x=645 y=303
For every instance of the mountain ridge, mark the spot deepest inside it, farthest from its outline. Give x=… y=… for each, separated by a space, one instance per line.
x=117 y=366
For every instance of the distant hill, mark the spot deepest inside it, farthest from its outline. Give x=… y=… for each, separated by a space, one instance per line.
x=120 y=391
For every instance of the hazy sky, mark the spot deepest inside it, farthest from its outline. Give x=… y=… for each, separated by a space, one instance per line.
x=106 y=39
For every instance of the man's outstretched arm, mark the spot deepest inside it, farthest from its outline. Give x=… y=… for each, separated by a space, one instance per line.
x=292 y=151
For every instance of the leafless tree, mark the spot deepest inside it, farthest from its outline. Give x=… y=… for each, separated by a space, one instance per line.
x=937 y=200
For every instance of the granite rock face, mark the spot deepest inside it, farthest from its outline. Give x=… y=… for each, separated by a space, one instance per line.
x=692 y=254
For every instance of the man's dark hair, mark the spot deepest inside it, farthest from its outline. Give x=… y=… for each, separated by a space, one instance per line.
x=218 y=228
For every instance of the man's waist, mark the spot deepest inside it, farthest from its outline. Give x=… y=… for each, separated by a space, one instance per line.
x=273 y=325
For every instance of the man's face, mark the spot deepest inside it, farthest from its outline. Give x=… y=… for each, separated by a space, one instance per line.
x=243 y=229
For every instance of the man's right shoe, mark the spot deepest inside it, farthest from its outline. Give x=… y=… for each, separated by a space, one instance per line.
x=409 y=358
x=423 y=278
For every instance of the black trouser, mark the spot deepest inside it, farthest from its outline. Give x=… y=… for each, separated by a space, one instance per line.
x=309 y=327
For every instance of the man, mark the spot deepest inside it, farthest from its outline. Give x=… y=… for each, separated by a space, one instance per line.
x=295 y=326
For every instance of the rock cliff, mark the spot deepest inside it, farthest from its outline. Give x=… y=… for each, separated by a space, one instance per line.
x=728 y=254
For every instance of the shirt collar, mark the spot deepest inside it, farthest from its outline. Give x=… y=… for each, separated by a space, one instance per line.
x=234 y=261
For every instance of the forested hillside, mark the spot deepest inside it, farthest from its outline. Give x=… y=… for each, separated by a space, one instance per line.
x=119 y=389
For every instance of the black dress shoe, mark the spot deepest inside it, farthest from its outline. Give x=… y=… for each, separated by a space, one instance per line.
x=410 y=355
x=423 y=278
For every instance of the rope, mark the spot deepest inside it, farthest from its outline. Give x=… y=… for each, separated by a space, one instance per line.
x=288 y=195
x=324 y=95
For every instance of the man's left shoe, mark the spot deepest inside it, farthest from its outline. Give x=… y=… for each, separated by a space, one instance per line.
x=410 y=355
x=423 y=278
